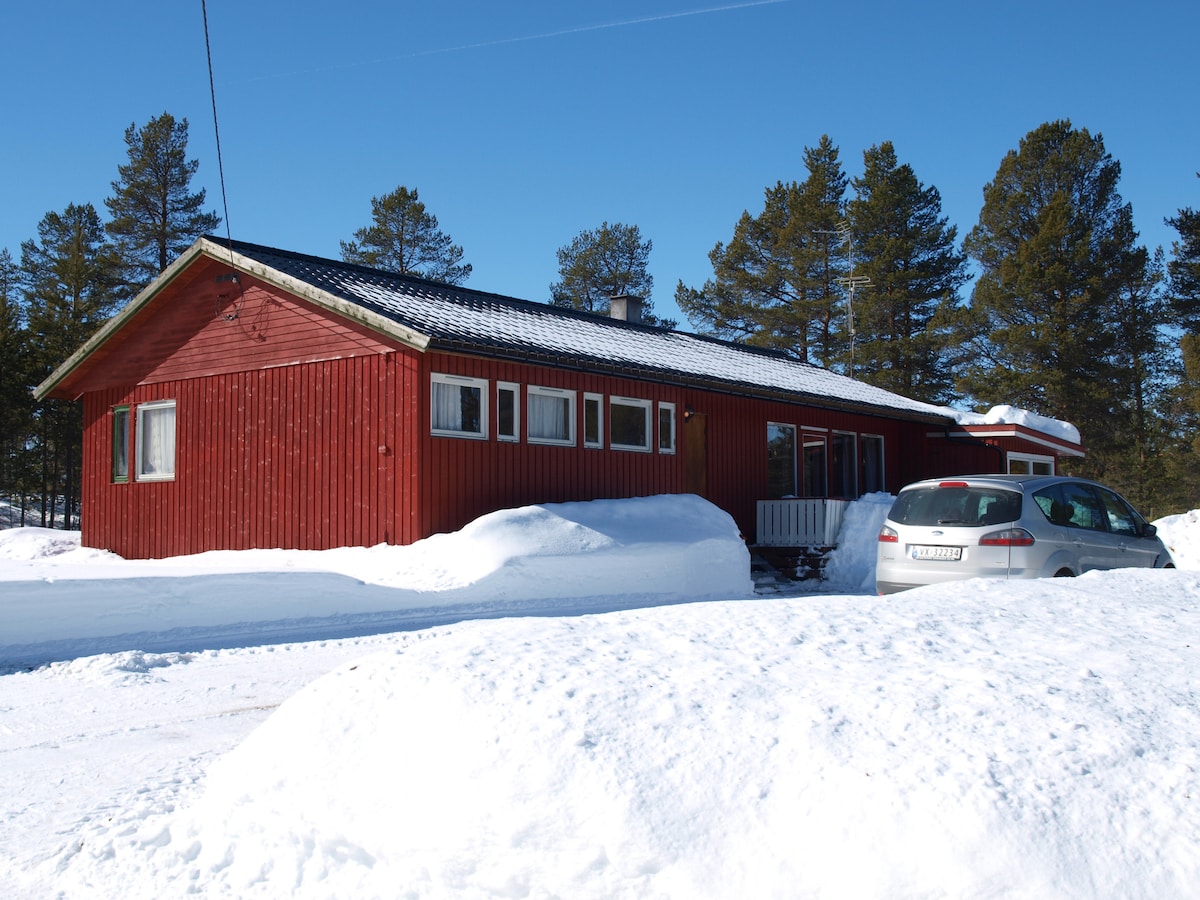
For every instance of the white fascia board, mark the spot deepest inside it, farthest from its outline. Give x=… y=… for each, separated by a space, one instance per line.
x=1034 y=437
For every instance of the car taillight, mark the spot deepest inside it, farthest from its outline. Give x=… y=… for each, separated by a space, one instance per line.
x=888 y=535
x=952 y=484
x=1009 y=537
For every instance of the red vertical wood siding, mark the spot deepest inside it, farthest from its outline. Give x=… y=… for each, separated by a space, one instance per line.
x=297 y=428
x=463 y=478
x=339 y=452
x=299 y=457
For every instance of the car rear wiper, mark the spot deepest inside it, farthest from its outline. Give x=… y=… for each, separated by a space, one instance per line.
x=952 y=521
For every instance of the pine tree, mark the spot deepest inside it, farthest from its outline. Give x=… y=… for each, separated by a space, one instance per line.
x=16 y=399
x=154 y=215
x=775 y=283
x=71 y=281
x=1138 y=437
x=1184 y=268
x=404 y=238
x=603 y=263
x=907 y=249
x=1055 y=247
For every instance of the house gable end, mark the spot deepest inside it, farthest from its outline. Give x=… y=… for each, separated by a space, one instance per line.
x=204 y=317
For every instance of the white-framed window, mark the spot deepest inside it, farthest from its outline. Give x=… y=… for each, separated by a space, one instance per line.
x=666 y=428
x=508 y=411
x=120 y=448
x=844 y=465
x=781 y=460
x=1030 y=464
x=871 y=447
x=155 y=455
x=628 y=423
x=458 y=406
x=551 y=418
x=593 y=420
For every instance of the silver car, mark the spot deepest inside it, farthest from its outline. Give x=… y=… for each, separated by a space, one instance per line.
x=1009 y=526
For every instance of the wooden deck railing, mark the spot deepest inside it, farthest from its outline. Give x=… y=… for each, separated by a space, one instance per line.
x=800 y=522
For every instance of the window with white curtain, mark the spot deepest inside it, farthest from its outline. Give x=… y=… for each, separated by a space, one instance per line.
x=156 y=441
x=551 y=416
x=458 y=405
x=628 y=423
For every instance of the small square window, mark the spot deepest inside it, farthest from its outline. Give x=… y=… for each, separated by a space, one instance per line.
x=156 y=441
x=629 y=423
x=551 y=416
x=458 y=406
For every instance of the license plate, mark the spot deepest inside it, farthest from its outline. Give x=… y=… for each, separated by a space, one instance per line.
x=953 y=554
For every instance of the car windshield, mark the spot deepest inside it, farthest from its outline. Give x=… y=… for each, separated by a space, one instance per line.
x=956 y=505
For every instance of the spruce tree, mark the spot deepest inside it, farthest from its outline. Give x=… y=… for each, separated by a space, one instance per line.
x=71 y=278
x=775 y=283
x=609 y=261
x=404 y=238
x=907 y=249
x=155 y=216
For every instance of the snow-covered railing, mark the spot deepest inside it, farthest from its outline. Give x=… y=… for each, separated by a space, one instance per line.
x=811 y=522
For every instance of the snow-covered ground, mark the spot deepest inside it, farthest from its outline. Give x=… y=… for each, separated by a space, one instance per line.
x=533 y=708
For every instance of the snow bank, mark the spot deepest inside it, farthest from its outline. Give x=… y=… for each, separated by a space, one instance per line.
x=1181 y=534
x=587 y=556
x=979 y=739
x=851 y=565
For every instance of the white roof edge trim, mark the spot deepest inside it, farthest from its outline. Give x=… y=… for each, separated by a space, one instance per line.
x=220 y=253
x=117 y=322
x=324 y=299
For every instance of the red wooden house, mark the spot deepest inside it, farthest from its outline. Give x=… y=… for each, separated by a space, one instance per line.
x=253 y=397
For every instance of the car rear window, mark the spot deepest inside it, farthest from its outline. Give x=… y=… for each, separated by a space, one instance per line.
x=956 y=506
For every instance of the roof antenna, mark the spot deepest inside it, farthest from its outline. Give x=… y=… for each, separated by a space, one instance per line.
x=850 y=282
x=217 y=131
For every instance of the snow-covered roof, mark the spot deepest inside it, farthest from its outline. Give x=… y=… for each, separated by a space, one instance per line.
x=430 y=315
x=457 y=318
x=1012 y=415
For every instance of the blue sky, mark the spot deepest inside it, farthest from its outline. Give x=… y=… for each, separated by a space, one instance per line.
x=524 y=123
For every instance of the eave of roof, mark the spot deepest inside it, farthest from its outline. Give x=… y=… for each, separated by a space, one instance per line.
x=1061 y=446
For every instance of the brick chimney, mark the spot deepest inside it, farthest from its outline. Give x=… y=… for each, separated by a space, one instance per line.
x=626 y=307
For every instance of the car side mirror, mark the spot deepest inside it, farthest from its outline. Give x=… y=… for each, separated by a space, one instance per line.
x=1149 y=530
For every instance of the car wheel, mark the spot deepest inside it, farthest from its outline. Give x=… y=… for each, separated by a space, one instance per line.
x=1064 y=573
